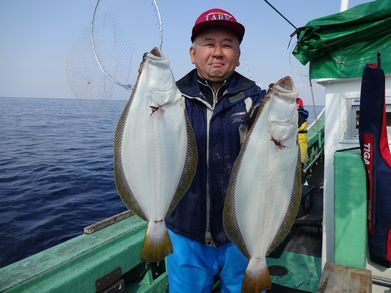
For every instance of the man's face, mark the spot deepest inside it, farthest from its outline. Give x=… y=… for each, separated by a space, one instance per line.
x=215 y=53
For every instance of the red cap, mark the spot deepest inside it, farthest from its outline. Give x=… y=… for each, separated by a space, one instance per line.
x=300 y=102
x=216 y=17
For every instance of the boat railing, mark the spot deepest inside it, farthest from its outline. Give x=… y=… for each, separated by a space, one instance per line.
x=315 y=142
x=104 y=258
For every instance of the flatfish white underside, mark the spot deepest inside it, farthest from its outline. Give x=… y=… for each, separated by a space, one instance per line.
x=155 y=154
x=269 y=207
x=152 y=164
x=264 y=190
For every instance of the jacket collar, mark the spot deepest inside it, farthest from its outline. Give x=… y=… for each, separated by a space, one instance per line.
x=189 y=86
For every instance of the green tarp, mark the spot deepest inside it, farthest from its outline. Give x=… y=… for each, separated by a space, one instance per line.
x=339 y=45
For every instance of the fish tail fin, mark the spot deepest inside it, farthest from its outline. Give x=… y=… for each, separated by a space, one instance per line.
x=157 y=244
x=257 y=277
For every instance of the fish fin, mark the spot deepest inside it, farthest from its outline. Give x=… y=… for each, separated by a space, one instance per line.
x=255 y=281
x=230 y=221
x=157 y=244
x=121 y=183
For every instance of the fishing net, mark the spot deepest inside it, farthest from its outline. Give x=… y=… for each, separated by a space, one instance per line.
x=103 y=62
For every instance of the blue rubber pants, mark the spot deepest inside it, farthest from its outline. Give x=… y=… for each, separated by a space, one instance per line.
x=194 y=267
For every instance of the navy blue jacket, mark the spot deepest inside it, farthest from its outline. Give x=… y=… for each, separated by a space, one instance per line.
x=199 y=214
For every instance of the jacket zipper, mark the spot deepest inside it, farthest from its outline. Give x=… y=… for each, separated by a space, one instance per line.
x=209 y=113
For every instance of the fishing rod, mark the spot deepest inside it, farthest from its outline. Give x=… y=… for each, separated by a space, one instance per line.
x=312 y=92
x=276 y=10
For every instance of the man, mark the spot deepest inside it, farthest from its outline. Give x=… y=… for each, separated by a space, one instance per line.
x=218 y=102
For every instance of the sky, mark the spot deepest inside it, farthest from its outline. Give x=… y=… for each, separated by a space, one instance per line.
x=43 y=43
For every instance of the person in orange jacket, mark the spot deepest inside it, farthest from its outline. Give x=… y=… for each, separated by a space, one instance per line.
x=302 y=131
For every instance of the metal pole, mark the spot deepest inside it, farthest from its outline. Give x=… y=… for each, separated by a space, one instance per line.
x=344 y=5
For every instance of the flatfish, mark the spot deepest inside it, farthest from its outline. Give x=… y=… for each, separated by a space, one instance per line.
x=155 y=153
x=264 y=191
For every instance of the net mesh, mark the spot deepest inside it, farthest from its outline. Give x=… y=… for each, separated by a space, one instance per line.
x=104 y=60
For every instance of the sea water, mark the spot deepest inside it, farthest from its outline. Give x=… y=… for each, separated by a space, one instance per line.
x=56 y=171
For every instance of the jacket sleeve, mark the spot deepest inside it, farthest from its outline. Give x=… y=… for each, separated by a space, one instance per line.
x=252 y=113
